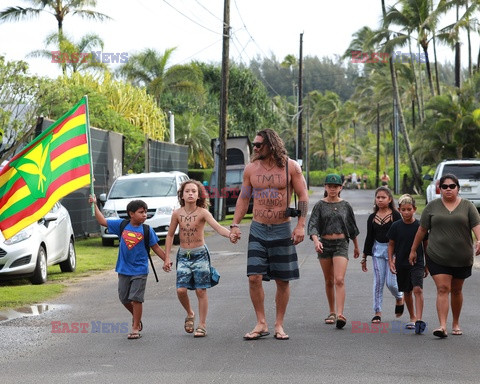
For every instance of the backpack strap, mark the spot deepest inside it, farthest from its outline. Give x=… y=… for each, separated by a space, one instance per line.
x=146 y=241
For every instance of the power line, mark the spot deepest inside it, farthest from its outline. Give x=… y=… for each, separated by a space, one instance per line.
x=189 y=18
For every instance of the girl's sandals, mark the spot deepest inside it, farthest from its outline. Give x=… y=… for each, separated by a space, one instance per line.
x=188 y=326
x=341 y=321
x=332 y=317
x=200 y=332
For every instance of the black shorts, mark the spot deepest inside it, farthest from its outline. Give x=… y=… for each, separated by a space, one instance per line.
x=455 y=272
x=408 y=278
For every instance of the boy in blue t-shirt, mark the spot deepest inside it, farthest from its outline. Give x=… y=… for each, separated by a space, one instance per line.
x=132 y=262
x=410 y=273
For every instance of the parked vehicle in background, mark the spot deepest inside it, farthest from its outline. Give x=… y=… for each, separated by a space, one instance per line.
x=233 y=184
x=46 y=242
x=238 y=154
x=468 y=173
x=157 y=189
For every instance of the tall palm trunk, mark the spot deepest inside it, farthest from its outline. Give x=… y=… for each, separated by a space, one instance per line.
x=427 y=65
x=469 y=44
x=324 y=145
x=415 y=82
x=413 y=163
x=457 y=57
x=437 y=79
x=422 y=111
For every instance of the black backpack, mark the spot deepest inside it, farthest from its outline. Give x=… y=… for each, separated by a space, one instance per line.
x=146 y=241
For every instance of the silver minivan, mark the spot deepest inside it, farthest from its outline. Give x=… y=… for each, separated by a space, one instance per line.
x=467 y=172
x=157 y=189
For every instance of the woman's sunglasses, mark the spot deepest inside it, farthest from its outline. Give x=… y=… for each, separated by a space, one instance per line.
x=446 y=186
x=258 y=145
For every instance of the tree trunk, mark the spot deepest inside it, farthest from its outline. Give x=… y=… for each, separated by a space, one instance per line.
x=429 y=72
x=324 y=144
x=413 y=163
x=469 y=44
x=437 y=80
x=412 y=63
x=458 y=62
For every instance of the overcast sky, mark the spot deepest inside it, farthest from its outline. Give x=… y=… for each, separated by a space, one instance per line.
x=259 y=27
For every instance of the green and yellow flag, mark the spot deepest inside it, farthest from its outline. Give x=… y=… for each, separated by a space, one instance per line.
x=53 y=165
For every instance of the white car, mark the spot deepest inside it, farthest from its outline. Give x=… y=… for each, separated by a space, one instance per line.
x=157 y=189
x=468 y=173
x=46 y=242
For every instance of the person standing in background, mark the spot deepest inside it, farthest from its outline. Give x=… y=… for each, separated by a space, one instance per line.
x=385 y=179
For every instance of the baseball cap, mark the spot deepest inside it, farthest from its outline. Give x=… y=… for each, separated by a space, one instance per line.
x=333 y=178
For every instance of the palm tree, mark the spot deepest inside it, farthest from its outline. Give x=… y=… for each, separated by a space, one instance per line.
x=196 y=131
x=415 y=15
x=58 y=8
x=76 y=63
x=396 y=94
x=147 y=69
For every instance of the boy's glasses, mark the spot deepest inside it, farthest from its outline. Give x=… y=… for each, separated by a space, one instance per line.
x=447 y=186
x=258 y=145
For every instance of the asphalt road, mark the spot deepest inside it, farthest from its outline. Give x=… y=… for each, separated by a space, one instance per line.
x=316 y=353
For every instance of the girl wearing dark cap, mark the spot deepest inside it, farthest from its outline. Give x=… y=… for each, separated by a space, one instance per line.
x=331 y=226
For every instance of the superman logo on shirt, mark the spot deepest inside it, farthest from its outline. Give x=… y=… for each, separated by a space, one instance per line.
x=131 y=238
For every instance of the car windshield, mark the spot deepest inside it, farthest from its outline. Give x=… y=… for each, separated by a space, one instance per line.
x=143 y=187
x=232 y=177
x=463 y=171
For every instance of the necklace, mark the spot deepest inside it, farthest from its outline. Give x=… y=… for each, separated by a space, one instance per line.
x=267 y=169
x=189 y=214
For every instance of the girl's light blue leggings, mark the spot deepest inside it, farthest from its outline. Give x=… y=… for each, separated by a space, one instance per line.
x=382 y=275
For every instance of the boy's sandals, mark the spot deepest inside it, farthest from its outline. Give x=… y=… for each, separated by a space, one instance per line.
x=188 y=326
x=140 y=326
x=332 y=317
x=200 y=332
x=134 y=336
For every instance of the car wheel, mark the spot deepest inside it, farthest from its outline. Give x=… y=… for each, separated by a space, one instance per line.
x=70 y=264
x=107 y=242
x=40 y=273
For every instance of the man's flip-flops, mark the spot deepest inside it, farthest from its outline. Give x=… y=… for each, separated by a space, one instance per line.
x=255 y=335
x=281 y=336
x=440 y=332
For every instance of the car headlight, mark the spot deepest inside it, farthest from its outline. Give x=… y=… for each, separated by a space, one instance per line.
x=164 y=211
x=109 y=213
x=20 y=236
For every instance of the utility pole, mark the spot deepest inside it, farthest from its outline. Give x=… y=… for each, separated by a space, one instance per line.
x=220 y=214
x=300 y=103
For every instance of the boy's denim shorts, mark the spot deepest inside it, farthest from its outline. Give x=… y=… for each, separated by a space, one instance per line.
x=193 y=268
